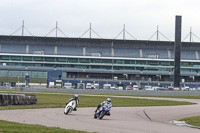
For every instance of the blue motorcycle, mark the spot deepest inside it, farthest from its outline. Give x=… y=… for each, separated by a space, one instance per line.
x=102 y=111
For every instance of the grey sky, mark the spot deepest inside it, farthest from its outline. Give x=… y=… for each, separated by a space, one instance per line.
x=141 y=17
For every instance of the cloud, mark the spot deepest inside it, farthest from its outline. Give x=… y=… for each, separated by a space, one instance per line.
x=141 y=17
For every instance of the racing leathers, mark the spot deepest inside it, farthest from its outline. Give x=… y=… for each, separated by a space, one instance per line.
x=104 y=103
x=75 y=99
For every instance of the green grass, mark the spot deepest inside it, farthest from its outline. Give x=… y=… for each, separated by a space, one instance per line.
x=161 y=96
x=58 y=100
x=195 y=121
x=12 y=127
x=184 y=97
x=22 y=79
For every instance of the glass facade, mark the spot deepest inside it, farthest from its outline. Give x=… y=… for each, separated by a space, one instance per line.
x=12 y=73
x=97 y=63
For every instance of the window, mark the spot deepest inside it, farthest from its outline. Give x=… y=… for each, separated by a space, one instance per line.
x=27 y=58
x=152 y=62
x=61 y=59
x=186 y=64
x=140 y=62
x=119 y=61
x=106 y=61
x=164 y=63
x=95 y=60
x=84 y=60
x=117 y=68
x=38 y=58
x=106 y=67
x=4 y=57
x=15 y=58
x=49 y=59
x=73 y=60
x=127 y=61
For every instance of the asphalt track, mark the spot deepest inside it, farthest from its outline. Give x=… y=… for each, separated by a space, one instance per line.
x=122 y=119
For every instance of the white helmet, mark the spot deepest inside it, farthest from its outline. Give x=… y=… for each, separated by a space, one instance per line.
x=76 y=95
x=108 y=100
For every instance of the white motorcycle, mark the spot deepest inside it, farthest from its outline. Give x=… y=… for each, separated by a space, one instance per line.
x=70 y=107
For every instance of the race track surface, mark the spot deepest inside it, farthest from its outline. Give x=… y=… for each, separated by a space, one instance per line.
x=122 y=119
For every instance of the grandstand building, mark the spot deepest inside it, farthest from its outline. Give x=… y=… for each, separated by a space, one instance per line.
x=100 y=59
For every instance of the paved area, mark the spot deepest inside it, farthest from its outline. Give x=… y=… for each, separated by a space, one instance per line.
x=122 y=119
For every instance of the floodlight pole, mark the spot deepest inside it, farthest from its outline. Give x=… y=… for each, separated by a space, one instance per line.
x=23 y=28
x=177 y=52
x=124 y=32
x=157 y=33
x=190 y=34
x=90 y=30
x=56 y=29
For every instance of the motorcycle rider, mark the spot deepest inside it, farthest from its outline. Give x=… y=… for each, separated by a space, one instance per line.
x=107 y=102
x=75 y=97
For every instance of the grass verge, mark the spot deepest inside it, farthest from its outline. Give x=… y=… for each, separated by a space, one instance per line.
x=58 y=100
x=195 y=121
x=160 y=96
x=12 y=127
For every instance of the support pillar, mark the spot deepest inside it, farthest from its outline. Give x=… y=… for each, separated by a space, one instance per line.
x=177 y=52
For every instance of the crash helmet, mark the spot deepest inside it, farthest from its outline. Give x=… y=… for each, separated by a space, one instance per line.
x=76 y=95
x=108 y=100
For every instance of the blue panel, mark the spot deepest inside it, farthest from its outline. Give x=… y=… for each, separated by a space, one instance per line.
x=127 y=52
x=104 y=51
x=162 y=53
x=54 y=75
x=48 y=49
x=69 y=50
x=188 y=54
x=172 y=54
x=13 y=48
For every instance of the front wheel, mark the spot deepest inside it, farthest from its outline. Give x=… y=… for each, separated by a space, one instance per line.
x=95 y=115
x=102 y=115
x=68 y=109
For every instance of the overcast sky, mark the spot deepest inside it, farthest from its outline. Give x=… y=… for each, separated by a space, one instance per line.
x=107 y=17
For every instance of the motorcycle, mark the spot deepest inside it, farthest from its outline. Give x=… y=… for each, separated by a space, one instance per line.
x=70 y=107
x=102 y=111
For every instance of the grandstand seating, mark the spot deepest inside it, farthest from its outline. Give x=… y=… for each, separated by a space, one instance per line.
x=149 y=53
x=13 y=48
x=127 y=52
x=69 y=50
x=48 y=49
x=172 y=53
x=104 y=51
x=188 y=54
x=185 y=54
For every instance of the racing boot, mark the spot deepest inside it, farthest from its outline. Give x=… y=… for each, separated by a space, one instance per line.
x=108 y=114
x=75 y=109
